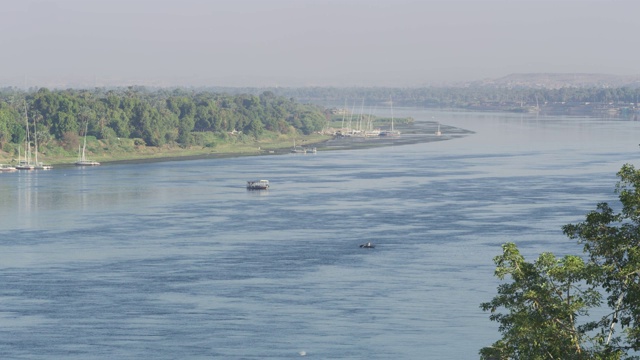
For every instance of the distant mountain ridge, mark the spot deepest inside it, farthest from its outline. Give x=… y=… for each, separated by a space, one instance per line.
x=560 y=80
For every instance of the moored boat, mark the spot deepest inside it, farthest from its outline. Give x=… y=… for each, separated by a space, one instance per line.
x=42 y=166
x=25 y=165
x=391 y=132
x=7 y=168
x=298 y=149
x=82 y=160
x=86 y=163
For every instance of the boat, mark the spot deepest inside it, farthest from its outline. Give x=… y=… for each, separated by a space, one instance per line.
x=37 y=165
x=42 y=166
x=298 y=149
x=391 y=132
x=82 y=161
x=7 y=168
x=367 y=245
x=438 y=132
x=26 y=163
x=258 y=185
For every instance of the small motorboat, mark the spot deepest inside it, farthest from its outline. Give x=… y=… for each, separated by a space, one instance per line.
x=367 y=245
x=258 y=185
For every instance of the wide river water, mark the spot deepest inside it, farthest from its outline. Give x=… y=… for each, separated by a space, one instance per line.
x=177 y=260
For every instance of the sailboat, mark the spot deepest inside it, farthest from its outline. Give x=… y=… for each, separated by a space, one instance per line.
x=298 y=149
x=37 y=165
x=438 y=132
x=82 y=161
x=25 y=164
x=391 y=132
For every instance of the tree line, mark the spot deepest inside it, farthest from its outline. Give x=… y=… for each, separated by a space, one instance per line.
x=155 y=117
x=460 y=97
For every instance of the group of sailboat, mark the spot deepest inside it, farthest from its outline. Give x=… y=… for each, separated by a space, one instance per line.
x=364 y=124
x=27 y=163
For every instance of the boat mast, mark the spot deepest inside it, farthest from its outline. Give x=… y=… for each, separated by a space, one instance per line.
x=27 y=143
x=391 y=102
x=84 y=145
x=361 y=119
x=344 y=112
x=35 y=138
x=353 y=109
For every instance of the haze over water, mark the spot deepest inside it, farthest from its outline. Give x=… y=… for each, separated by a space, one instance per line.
x=178 y=260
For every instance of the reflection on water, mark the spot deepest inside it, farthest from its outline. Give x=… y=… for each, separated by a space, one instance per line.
x=178 y=260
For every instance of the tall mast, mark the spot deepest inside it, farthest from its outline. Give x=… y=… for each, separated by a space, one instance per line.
x=35 y=138
x=86 y=128
x=391 y=101
x=27 y=150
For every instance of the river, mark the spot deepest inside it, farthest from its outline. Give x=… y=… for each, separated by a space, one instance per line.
x=177 y=259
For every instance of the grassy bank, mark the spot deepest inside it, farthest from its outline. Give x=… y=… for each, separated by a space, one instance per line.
x=116 y=150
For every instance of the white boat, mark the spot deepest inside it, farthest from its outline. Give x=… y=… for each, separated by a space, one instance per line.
x=258 y=185
x=391 y=132
x=82 y=161
x=7 y=168
x=37 y=165
x=26 y=163
x=298 y=149
x=438 y=132
x=42 y=166
x=86 y=163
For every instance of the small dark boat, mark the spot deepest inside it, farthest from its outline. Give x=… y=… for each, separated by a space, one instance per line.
x=258 y=185
x=367 y=245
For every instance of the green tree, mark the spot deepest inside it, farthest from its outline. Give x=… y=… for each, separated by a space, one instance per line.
x=612 y=241
x=543 y=301
x=546 y=305
x=254 y=128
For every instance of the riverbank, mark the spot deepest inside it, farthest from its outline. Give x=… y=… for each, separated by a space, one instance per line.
x=126 y=151
x=419 y=132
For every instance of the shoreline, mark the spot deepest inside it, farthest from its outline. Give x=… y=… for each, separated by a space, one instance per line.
x=412 y=134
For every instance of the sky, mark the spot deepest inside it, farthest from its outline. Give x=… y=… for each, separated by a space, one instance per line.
x=265 y=43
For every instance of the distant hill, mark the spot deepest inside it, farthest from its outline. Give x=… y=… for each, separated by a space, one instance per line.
x=555 y=81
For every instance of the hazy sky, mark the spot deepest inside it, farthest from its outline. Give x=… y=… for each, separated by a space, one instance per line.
x=311 y=42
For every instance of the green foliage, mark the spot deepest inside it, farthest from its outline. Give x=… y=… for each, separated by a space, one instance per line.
x=544 y=301
x=10 y=128
x=158 y=118
x=612 y=241
x=543 y=308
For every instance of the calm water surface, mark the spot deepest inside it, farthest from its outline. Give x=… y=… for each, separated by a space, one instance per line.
x=178 y=260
